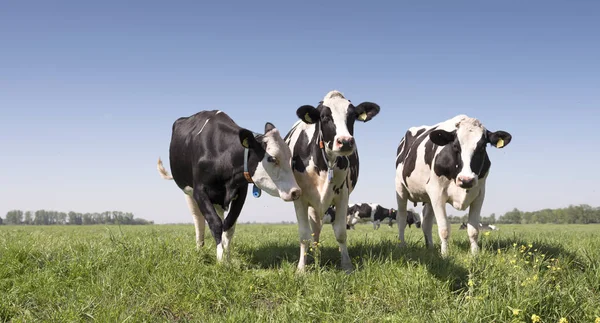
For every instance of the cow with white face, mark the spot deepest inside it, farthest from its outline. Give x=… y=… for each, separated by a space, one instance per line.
x=213 y=160
x=445 y=163
x=325 y=163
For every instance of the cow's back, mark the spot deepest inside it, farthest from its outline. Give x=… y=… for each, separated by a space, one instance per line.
x=203 y=137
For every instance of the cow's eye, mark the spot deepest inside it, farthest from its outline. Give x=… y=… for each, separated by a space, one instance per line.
x=273 y=160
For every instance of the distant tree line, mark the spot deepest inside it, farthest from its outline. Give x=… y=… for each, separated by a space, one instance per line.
x=574 y=214
x=45 y=217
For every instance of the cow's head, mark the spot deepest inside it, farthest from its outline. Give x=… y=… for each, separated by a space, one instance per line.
x=335 y=117
x=273 y=174
x=468 y=143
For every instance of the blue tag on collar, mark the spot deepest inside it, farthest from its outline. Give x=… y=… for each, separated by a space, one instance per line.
x=330 y=174
x=256 y=191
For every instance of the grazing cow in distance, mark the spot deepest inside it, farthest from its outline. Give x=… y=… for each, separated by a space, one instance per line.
x=445 y=163
x=365 y=212
x=329 y=217
x=326 y=166
x=213 y=160
x=412 y=218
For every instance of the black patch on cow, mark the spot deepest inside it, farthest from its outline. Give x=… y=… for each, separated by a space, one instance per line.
x=327 y=126
x=354 y=162
x=342 y=162
x=448 y=162
x=411 y=147
x=430 y=149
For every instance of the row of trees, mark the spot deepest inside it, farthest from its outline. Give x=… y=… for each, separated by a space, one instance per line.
x=574 y=214
x=45 y=217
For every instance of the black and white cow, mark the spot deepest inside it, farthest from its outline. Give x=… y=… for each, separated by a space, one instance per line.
x=365 y=212
x=482 y=227
x=412 y=218
x=213 y=160
x=326 y=166
x=329 y=217
x=445 y=163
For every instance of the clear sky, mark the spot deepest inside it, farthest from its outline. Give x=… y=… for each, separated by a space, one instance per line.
x=89 y=91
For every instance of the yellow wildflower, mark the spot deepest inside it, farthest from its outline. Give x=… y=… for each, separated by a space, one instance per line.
x=470 y=283
x=597 y=320
x=531 y=246
x=514 y=244
x=487 y=233
x=516 y=311
x=535 y=318
x=563 y=320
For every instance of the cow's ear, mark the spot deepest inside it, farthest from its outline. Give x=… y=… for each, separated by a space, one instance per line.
x=268 y=127
x=499 y=138
x=248 y=140
x=366 y=111
x=441 y=137
x=308 y=114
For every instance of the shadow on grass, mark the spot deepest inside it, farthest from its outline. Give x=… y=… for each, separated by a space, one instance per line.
x=363 y=253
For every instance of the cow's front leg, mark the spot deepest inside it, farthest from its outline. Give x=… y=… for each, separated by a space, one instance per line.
x=303 y=231
x=339 y=228
x=215 y=224
x=474 y=218
x=439 y=209
x=401 y=216
x=229 y=223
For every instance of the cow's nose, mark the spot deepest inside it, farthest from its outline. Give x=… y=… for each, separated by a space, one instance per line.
x=296 y=193
x=466 y=182
x=345 y=142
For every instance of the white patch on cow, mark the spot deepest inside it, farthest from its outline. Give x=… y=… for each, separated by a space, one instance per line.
x=205 y=122
x=338 y=105
x=199 y=222
x=277 y=179
x=469 y=131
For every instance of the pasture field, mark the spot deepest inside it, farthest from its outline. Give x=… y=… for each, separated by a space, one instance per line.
x=154 y=274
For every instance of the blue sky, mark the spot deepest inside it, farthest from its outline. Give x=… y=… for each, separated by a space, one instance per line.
x=89 y=91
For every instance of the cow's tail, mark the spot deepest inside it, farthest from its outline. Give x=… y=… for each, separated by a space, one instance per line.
x=162 y=171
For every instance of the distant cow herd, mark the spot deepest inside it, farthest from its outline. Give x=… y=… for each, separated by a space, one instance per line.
x=316 y=166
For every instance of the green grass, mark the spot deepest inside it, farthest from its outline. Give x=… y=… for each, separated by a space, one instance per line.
x=154 y=274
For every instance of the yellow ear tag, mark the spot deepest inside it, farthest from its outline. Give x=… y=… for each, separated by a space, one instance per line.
x=307 y=118
x=500 y=143
x=362 y=116
x=245 y=142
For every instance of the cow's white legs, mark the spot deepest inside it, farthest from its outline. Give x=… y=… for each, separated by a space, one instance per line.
x=226 y=240
x=474 y=218
x=427 y=224
x=439 y=209
x=315 y=223
x=221 y=246
x=199 y=222
x=303 y=231
x=339 y=228
x=401 y=216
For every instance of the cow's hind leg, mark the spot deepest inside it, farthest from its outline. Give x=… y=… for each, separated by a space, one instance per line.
x=199 y=223
x=401 y=218
x=427 y=224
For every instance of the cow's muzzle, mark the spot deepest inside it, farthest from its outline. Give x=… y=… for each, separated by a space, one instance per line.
x=465 y=181
x=345 y=143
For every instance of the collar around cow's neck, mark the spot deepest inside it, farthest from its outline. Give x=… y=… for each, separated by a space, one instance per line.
x=246 y=153
x=322 y=148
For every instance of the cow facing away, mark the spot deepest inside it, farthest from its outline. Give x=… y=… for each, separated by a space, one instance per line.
x=445 y=163
x=326 y=166
x=212 y=161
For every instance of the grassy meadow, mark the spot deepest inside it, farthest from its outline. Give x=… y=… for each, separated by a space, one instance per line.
x=100 y=273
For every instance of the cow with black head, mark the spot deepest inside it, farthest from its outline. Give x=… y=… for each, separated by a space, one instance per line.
x=325 y=163
x=445 y=163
